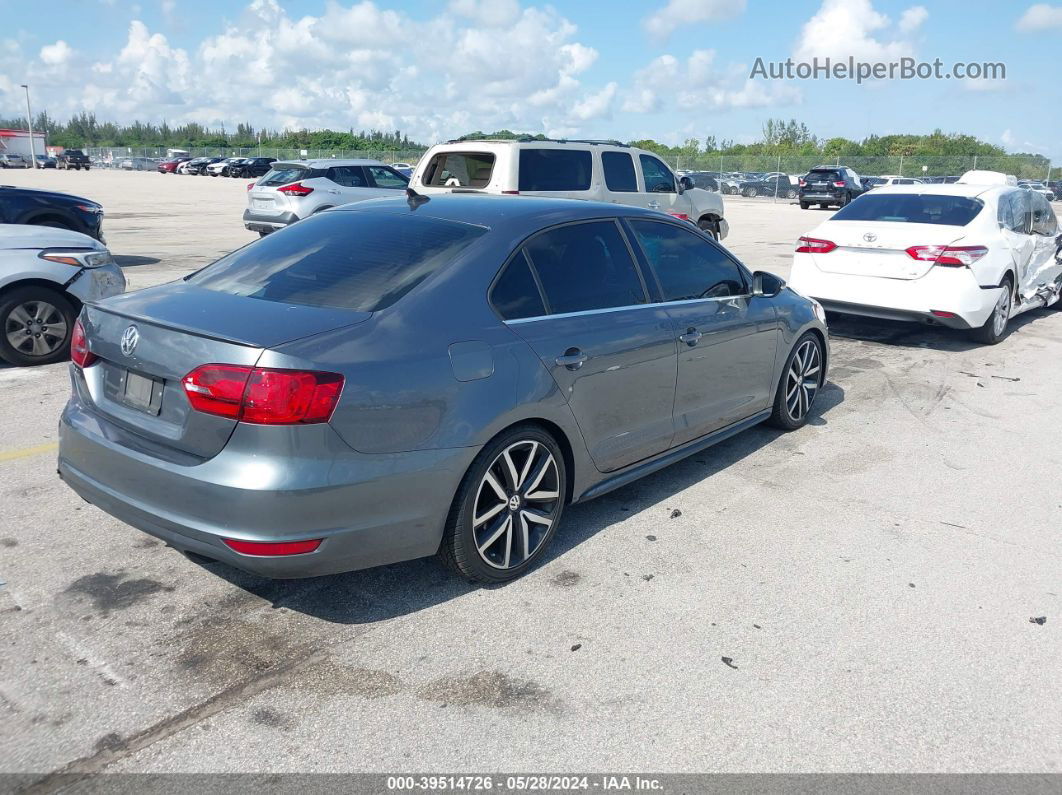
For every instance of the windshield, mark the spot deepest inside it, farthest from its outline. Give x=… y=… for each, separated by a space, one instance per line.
x=911 y=209
x=349 y=260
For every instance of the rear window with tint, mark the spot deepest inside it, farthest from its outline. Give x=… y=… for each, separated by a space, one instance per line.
x=911 y=209
x=824 y=176
x=350 y=260
x=555 y=169
x=460 y=170
x=619 y=172
x=284 y=175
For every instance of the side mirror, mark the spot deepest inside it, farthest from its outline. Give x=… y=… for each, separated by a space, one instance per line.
x=766 y=285
x=685 y=184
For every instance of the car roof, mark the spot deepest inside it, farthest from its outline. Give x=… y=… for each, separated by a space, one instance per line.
x=944 y=189
x=512 y=212
x=325 y=162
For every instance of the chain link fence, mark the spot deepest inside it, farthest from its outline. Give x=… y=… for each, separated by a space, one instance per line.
x=114 y=155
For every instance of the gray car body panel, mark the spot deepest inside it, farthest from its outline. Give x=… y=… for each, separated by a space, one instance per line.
x=20 y=245
x=429 y=381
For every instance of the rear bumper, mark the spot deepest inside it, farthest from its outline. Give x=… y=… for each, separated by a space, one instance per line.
x=369 y=509
x=265 y=222
x=951 y=290
x=820 y=197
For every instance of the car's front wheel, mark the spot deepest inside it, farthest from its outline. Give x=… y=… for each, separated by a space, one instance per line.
x=507 y=508
x=799 y=384
x=35 y=325
x=709 y=226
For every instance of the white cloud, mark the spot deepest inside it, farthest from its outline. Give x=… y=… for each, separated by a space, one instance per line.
x=699 y=83
x=595 y=105
x=1007 y=138
x=843 y=28
x=1040 y=16
x=56 y=54
x=912 y=19
x=491 y=13
x=680 y=13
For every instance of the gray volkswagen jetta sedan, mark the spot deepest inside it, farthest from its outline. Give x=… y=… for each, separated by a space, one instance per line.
x=399 y=378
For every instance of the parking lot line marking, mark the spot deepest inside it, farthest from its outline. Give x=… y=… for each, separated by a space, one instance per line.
x=26 y=452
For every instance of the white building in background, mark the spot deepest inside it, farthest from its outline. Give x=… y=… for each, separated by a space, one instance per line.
x=18 y=142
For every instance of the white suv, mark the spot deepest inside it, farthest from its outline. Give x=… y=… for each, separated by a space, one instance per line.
x=293 y=190
x=596 y=170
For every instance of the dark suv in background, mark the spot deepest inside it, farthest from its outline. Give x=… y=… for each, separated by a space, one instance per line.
x=49 y=208
x=72 y=158
x=256 y=166
x=828 y=185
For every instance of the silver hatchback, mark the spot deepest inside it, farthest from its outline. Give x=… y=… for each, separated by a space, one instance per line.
x=295 y=190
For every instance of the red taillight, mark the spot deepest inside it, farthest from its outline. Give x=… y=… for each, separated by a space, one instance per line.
x=803 y=183
x=949 y=256
x=811 y=245
x=263 y=396
x=941 y=313
x=272 y=548
x=295 y=189
x=838 y=184
x=680 y=216
x=79 y=350
x=250 y=185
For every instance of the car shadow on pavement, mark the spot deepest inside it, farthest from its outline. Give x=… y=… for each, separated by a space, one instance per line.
x=378 y=594
x=132 y=260
x=916 y=335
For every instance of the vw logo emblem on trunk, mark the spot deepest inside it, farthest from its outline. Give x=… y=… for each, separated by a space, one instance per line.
x=870 y=237
x=130 y=337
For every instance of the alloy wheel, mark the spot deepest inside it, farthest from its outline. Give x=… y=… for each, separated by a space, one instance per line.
x=802 y=380
x=516 y=504
x=1002 y=313
x=36 y=328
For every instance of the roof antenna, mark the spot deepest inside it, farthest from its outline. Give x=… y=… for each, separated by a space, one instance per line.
x=415 y=199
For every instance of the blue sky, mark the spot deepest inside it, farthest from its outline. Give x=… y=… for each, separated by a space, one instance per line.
x=663 y=69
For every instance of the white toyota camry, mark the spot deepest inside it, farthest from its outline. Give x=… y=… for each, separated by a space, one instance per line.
x=966 y=255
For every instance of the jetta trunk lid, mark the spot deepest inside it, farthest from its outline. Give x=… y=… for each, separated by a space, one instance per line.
x=179 y=327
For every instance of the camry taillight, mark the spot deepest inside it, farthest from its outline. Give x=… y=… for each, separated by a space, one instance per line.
x=263 y=396
x=949 y=256
x=79 y=350
x=811 y=245
x=295 y=189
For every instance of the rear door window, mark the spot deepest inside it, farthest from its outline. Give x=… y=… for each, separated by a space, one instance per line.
x=658 y=177
x=585 y=266
x=347 y=176
x=1012 y=211
x=619 y=172
x=911 y=208
x=460 y=170
x=1043 y=217
x=515 y=294
x=687 y=266
x=555 y=169
x=284 y=175
x=349 y=260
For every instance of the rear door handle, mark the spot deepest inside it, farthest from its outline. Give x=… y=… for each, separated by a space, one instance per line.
x=573 y=359
x=690 y=337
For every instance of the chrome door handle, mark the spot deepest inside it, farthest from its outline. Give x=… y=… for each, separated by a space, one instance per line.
x=690 y=337
x=654 y=205
x=573 y=359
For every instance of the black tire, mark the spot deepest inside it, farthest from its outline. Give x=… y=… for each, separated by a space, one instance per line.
x=749 y=193
x=804 y=205
x=466 y=554
x=845 y=199
x=791 y=194
x=59 y=347
x=824 y=205
x=86 y=168
x=786 y=414
x=710 y=227
x=995 y=328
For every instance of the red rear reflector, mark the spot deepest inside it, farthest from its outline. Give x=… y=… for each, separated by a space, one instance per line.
x=949 y=256
x=79 y=351
x=250 y=185
x=680 y=216
x=295 y=189
x=939 y=313
x=811 y=245
x=263 y=396
x=272 y=548
x=511 y=192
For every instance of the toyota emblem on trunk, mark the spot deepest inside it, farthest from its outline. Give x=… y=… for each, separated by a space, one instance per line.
x=130 y=337
x=870 y=237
